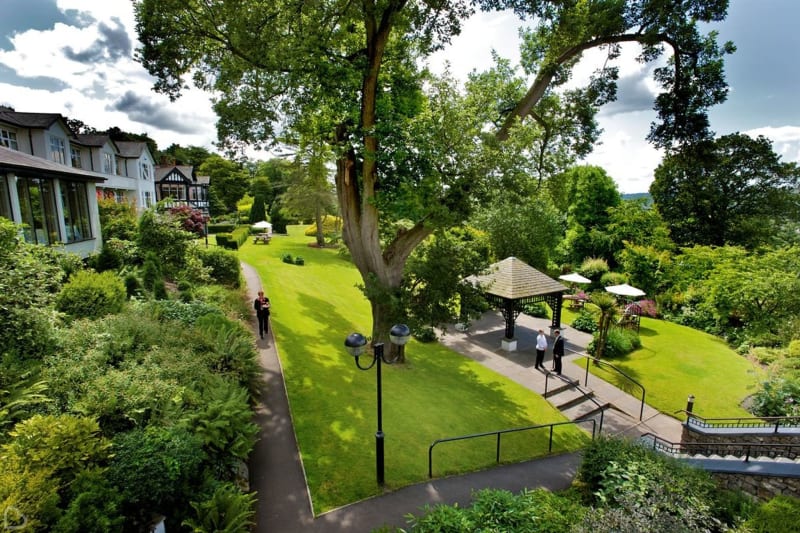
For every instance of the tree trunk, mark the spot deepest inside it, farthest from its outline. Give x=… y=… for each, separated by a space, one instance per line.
x=319 y=221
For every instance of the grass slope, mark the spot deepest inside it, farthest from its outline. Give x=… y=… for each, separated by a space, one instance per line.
x=437 y=394
x=676 y=361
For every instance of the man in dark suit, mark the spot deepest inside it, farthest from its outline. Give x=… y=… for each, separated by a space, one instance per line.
x=558 y=351
x=261 y=306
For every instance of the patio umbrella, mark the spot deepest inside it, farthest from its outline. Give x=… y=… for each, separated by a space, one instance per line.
x=625 y=290
x=574 y=277
x=262 y=225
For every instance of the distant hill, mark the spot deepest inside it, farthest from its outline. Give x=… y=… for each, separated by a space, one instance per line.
x=637 y=195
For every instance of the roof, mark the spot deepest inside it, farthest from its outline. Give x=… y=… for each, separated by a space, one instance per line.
x=163 y=171
x=131 y=149
x=29 y=120
x=513 y=279
x=24 y=164
x=93 y=139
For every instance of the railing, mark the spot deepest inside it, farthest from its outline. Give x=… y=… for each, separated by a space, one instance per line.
x=577 y=387
x=501 y=432
x=736 y=449
x=620 y=372
x=775 y=422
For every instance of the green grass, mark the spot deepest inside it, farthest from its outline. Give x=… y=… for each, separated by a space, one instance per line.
x=436 y=394
x=676 y=361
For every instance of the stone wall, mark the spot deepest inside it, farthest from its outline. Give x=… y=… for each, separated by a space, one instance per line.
x=762 y=487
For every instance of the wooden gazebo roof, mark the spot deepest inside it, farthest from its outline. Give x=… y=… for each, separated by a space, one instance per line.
x=514 y=279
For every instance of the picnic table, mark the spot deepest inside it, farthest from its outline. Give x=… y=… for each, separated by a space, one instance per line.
x=575 y=301
x=261 y=238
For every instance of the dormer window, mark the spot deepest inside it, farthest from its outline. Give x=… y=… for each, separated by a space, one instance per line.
x=108 y=163
x=58 y=151
x=146 y=174
x=75 y=156
x=8 y=139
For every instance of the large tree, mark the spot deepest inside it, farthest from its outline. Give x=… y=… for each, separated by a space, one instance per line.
x=733 y=190
x=272 y=63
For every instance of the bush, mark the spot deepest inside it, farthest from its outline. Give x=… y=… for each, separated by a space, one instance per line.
x=619 y=342
x=330 y=226
x=287 y=258
x=777 y=397
x=779 y=515
x=92 y=295
x=222 y=227
x=425 y=334
x=224 y=265
x=794 y=349
x=538 y=309
x=299 y=261
x=585 y=321
x=612 y=278
x=593 y=268
x=227 y=510
x=187 y=313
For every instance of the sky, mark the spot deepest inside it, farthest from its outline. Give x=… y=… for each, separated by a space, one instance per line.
x=62 y=56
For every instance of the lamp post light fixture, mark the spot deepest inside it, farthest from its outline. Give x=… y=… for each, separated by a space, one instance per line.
x=356 y=343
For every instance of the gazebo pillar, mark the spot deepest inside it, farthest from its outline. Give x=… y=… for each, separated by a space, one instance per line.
x=510 y=313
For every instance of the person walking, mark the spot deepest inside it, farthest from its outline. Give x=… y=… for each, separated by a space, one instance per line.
x=541 y=346
x=261 y=305
x=558 y=351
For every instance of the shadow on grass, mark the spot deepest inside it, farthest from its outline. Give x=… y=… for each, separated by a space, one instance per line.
x=605 y=371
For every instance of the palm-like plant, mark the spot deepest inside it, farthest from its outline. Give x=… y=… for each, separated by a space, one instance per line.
x=15 y=401
x=607 y=304
x=228 y=511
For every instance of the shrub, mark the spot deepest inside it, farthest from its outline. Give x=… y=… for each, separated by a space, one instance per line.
x=593 y=268
x=794 y=349
x=330 y=225
x=648 y=308
x=187 y=313
x=227 y=510
x=425 y=334
x=585 y=321
x=93 y=506
x=612 y=278
x=222 y=227
x=92 y=295
x=538 y=309
x=777 y=397
x=287 y=258
x=299 y=261
x=619 y=342
x=780 y=514
x=225 y=268
x=223 y=239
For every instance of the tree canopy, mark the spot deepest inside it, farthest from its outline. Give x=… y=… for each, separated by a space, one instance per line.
x=407 y=148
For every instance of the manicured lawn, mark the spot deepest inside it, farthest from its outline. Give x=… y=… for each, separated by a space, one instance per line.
x=437 y=394
x=676 y=361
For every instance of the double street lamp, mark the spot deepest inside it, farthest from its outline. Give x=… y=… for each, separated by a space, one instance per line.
x=356 y=344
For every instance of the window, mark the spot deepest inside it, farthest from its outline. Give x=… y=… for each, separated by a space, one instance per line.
x=174 y=191
x=75 y=156
x=8 y=139
x=58 y=152
x=148 y=199
x=76 y=211
x=145 y=171
x=108 y=163
x=37 y=204
x=5 y=200
x=119 y=196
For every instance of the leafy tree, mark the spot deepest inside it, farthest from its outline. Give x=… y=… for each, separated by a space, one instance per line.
x=646 y=266
x=636 y=222
x=227 y=181
x=163 y=234
x=733 y=190
x=593 y=194
x=527 y=229
x=358 y=64
x=176 y=154
x=310 y=193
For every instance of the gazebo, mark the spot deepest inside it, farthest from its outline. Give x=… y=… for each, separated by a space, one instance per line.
x=510 y=284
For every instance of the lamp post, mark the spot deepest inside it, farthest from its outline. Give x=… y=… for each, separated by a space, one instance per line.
x=355 y=343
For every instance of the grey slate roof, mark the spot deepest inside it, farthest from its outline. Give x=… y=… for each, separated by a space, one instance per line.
x=513 y=279
x=132 y=149
x=24 y=164
x=162 y=171
x=92 y=139
x=28 y=120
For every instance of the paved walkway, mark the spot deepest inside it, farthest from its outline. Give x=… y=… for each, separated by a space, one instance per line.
x=276 y=471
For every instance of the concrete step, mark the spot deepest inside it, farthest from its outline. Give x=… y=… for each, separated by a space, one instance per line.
x=572 y=398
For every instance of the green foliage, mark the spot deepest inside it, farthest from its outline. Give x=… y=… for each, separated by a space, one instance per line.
x=299 y=261
x=330 y=225
x=538 y=309
x=186 y=313
x=117 y=220
x=425 y=334
x=593 y=268
x=224 y=265
x=91 y=295
x=536 y=511
x=733 y=507
x=224 y=422
x=781 y=514
x=794 y=348
x=278 y=218
x=258 y=211
x=18 y=398
x=585 y=321
x=230 y=350
x=94 y=506
x=613 y=278
x=645 y=266
x=235 y=239
x=228 y=511
x=156 y=468
x=778 y=397
x=732 y=190
x=287 y=258
x=228 y=182
x=163 y=234
x=222 y=227
x=619 y=342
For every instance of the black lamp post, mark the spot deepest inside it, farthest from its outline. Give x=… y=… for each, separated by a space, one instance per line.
x=355 y=344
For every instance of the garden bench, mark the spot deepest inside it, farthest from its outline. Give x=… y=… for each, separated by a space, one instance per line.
x=262 y=237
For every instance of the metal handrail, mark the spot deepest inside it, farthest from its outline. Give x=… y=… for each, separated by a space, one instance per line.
x=736 y=449
x=574 y=385
x=501 y=432
x=775 y=422
x=623 y=374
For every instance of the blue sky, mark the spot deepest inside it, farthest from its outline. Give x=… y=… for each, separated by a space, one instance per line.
x=57 y=56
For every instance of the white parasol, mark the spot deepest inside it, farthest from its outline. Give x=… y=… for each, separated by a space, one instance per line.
x=574 y=277
x=625 y=290
x=262 y=225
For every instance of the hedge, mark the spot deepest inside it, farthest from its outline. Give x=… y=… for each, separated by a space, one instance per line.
x=235 y=239
x=223 y=227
